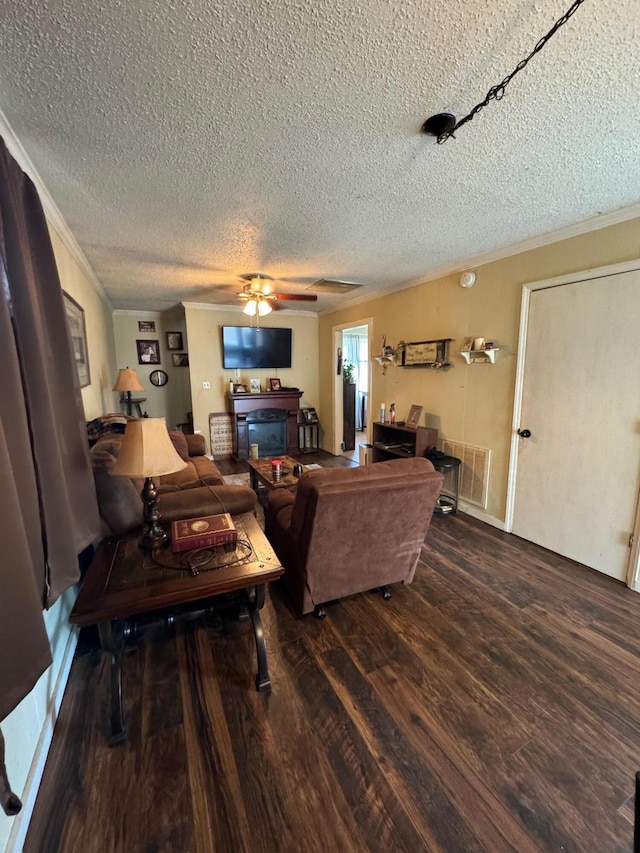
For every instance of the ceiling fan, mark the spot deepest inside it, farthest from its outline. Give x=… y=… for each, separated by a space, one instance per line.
x=260 y=298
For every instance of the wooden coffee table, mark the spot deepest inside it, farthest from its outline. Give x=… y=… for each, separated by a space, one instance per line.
x=260 y=473
x=127 y=589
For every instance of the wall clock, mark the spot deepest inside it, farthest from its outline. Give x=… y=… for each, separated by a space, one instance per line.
x=158 y=378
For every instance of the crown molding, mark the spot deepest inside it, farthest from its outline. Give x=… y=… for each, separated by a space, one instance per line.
x=51 y=210
x=131 y=312
x=577 y=229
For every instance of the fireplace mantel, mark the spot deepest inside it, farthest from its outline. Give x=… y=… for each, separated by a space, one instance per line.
x=240 y=405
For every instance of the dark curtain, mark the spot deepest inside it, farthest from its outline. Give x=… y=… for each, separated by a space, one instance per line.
x=48 y=510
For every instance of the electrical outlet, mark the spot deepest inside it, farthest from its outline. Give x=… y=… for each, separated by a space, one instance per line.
x=206 y=386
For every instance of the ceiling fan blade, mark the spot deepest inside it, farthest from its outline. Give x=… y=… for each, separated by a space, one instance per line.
x=295 y=297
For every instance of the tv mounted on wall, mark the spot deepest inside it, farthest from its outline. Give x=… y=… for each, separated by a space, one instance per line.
x=251 y=348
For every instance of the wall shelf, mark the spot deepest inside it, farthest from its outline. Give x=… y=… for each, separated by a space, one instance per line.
x=477 y=356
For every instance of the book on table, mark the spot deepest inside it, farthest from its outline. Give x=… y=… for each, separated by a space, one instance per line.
x=207 y=531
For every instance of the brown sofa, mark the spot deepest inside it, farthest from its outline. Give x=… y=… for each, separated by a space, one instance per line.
x=347 y=530
x=196 y=490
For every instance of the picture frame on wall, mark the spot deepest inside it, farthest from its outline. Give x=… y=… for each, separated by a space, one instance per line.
x=146 y=325
x=467 y=345
x=148 y=352
x=180 y=359
x=413 y=417
x=78 y=331
x=174 y=340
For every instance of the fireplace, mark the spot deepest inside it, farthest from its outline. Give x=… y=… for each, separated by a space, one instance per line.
x=268 y=429
x=268 y=419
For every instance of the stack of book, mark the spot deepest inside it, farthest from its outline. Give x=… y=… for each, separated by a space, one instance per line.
x=204 y=532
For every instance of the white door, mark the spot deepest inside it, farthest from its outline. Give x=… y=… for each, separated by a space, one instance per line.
x=578 y=474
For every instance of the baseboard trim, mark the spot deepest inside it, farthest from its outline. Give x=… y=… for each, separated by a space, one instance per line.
x=472 y=510
x=20 y=827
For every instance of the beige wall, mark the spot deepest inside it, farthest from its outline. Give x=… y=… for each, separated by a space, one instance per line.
x=472 y=404
x=96 y=397
x=204 y=324
x=173 y=400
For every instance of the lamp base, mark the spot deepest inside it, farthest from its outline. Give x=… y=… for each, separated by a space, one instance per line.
x=153 y=536
x=151 y=540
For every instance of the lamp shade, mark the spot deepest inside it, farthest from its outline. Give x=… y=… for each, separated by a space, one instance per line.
x=147 y=450
x=264 y=308
x=250 y=307
x=127 y=380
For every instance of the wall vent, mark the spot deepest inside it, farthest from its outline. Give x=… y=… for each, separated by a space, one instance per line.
x=474 y=472
x=329 y=285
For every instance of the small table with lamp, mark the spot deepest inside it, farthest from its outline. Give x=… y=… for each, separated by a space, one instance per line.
x=128 y=589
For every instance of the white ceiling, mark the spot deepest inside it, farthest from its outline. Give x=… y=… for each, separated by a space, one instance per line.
x=187 y=142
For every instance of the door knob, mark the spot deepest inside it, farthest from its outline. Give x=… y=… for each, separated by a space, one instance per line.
x=524 y=433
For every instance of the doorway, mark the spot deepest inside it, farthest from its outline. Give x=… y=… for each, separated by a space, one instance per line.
x=351 y=400
x=575 y=463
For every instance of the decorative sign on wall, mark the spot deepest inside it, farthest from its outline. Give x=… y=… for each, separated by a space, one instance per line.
x=434 y=353
x=420 y=353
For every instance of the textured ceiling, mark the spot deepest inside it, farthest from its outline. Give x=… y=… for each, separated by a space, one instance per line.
x=187 y=142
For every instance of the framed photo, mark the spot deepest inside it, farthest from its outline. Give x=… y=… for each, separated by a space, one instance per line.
x=254 y=386
x=275 y=384
x=467 y=345
x=180 y=359
x=174 y=340
x=239 y=389
x=78 y=332
x=148 y=352
x=414 y=416
x=309 y=416
x=146 y=325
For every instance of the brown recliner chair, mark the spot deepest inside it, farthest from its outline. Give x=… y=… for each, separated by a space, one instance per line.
x=347 y=530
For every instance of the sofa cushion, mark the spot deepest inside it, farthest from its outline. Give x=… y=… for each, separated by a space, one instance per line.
x=196 y=444
x=179 y=441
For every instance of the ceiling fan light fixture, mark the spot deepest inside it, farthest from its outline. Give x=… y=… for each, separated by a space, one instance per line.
x=250 y=308
x=264 y=308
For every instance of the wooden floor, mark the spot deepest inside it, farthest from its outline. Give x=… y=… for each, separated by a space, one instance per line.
x=492 y=705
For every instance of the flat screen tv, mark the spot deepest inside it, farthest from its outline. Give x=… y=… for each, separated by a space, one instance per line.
x=251 y=348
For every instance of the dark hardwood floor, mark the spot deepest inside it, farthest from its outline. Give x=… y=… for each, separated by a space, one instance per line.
x=493 y=705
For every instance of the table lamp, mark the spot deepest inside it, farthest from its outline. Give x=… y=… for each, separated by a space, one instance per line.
x=147 y=451
x=127 y=381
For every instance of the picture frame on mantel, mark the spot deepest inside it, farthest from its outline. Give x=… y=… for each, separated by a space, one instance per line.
x=413 y=418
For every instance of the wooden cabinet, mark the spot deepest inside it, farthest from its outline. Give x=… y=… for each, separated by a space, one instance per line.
x=401 y=442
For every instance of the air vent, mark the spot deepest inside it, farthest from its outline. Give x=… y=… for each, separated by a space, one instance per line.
x=328 y=285
x=474 y=472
